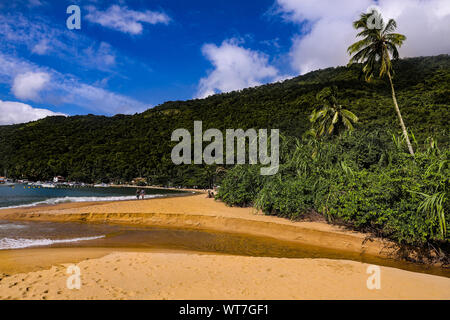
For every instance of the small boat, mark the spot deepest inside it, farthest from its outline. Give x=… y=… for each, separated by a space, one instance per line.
x=103 y=185
x=47 y=185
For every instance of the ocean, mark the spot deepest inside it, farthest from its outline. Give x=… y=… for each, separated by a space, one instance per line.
x=20 y=195
x=17 y=235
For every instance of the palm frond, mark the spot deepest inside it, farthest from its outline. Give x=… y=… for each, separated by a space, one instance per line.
x=390 y=26
x=358 y=46
x=396 y=39
x=335 y=118
x=433 y=206
x=330 y=129
x=347 y=123
x=393 y=50
x=349 y=115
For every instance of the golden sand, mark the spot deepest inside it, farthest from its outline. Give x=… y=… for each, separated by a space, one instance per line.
x=191 y=276
x=128 y=274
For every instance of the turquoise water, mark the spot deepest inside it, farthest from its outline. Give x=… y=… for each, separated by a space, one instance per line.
x=20 y=195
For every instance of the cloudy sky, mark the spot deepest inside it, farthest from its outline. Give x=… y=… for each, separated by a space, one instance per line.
x=131 y=55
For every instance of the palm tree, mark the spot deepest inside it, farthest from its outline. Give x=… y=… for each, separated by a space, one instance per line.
x=375 y=50
x=332 y=116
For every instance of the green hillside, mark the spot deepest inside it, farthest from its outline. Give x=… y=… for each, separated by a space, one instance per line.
x=97 y=148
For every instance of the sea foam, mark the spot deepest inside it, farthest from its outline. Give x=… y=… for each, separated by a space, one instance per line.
x=52 y=201
x=10 y=243
x=12 y=226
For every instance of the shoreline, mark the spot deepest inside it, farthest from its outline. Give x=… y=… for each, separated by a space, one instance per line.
x=49 y=206
x=196 y=212
x=123 y=273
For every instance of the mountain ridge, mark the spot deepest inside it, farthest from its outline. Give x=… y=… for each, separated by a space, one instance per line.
x=118 y=148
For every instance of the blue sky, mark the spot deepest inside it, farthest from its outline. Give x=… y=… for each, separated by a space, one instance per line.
x=130 y=55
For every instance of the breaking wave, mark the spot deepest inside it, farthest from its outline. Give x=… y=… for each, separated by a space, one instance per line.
x=9 y=243
x=53 y=201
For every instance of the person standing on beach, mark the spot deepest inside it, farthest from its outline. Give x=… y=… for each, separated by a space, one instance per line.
x=138 y=194
x=142 y=194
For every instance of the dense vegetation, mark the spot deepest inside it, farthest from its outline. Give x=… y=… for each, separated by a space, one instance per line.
x=97 y=148
x=363 y=179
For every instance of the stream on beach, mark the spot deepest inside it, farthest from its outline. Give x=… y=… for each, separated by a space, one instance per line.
x=19 y=235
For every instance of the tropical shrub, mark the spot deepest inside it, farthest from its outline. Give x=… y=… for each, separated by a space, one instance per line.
x=241 y=185
x=366 y=180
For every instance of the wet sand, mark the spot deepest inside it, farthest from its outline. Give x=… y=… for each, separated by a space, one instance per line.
x=131 y=273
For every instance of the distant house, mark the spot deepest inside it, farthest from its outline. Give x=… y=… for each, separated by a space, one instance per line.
x=59 y=179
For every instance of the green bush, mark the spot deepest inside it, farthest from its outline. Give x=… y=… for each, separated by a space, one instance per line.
x=241 y=185
x=289 y=198
x=366 y=180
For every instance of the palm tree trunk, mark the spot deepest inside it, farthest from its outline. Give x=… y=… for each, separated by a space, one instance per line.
x=402 y=124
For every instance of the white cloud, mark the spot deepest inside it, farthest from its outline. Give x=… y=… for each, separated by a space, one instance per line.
x=16 y=112
x=41 y=47
x=35 y=3
x=426 y=25
x=61 y=88
x=42 y=37
x=28 y=85
x=327 y=28
x=101 y=55
x=313 y=10
x=234 y=68
x=125 y=20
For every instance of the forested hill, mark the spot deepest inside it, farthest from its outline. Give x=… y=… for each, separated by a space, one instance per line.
x=119 y=148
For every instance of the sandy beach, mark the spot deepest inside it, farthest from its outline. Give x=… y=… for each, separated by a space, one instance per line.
x=132 y=273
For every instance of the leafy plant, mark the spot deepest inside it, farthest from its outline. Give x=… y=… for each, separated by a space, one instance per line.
x=363 y=180
x=433 y=206
x=332 y=116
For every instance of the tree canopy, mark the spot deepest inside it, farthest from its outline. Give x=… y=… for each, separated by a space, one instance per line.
x=98 y=148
